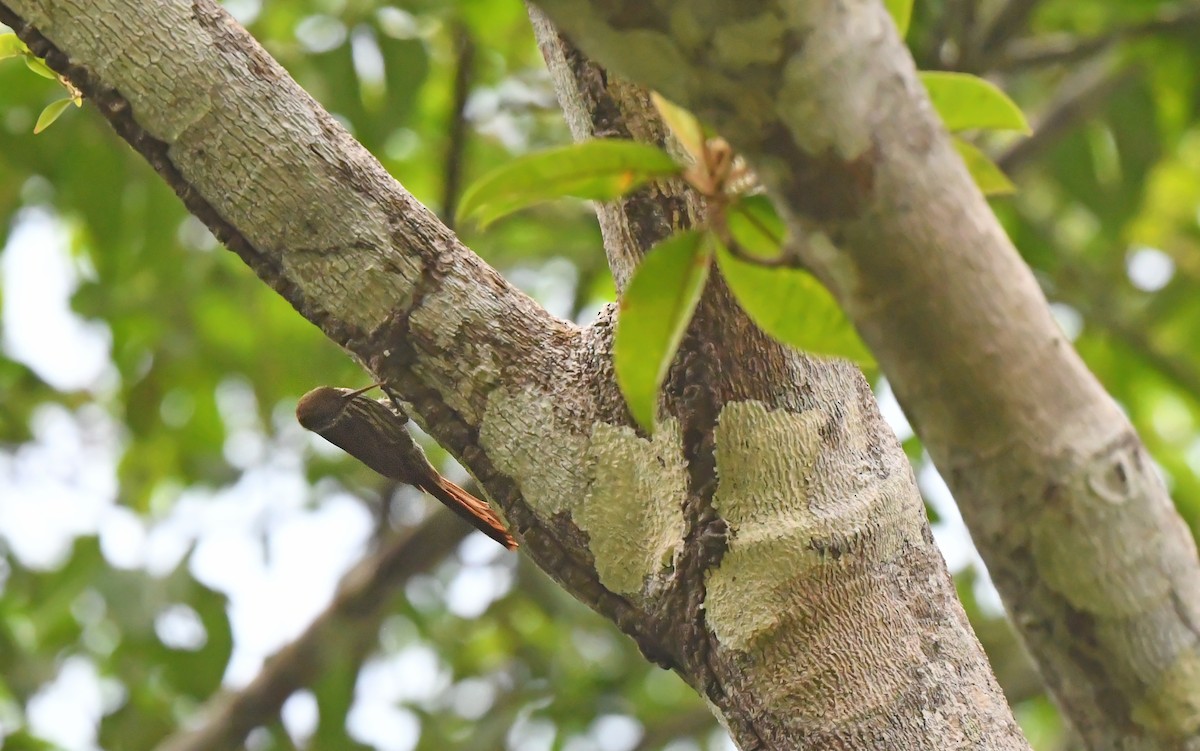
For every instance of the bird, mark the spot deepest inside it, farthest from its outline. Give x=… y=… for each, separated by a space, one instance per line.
x=371 y=432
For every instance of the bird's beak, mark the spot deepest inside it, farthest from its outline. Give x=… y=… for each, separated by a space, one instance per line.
x=353 y=394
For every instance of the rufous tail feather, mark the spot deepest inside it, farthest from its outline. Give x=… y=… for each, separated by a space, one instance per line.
x=473 y=510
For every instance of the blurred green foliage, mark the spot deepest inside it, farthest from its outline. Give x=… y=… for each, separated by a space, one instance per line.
x=1106 y=213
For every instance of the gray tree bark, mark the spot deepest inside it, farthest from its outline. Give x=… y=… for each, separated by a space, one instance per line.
x=1098 y=572
x=768 y=543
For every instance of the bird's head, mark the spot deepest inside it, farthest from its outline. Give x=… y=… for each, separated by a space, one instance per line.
x=320 y=408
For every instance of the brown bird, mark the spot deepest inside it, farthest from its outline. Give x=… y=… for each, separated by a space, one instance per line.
x=375 y=435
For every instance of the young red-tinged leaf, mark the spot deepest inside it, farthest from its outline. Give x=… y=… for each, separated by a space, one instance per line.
x=901 y=13
x=682 y=123
x=756 y=227
x=965 y=101
x=600 y=170
x=793 y=307
x=50 y=114
x=10 y=46
x=990 y=178
x=653 y=314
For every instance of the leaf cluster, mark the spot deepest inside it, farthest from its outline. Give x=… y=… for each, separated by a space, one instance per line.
x=743 y=234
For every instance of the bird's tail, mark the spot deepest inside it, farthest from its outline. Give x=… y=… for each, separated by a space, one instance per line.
x=473 y=510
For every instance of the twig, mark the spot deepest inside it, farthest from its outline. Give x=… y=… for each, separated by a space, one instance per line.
x=1079 y=100
x=718 y=221
x=1133 y=335
x=950 y=34
x=783 y=260
x=966 y=16
x=1008 y=21
x=349 y=624
x=1078 y=287
x=464 y=73
x=1030 y=53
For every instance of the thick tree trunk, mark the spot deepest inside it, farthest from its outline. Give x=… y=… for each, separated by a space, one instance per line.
x=768 y=542
x=1099 y=573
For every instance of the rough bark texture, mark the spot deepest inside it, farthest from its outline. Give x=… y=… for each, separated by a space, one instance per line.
x=1098 y=571
x=768 y=542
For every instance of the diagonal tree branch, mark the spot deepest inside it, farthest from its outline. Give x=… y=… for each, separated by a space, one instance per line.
x=1012 y=17
x=767 y=542
x=722 y=342
x=1032 y=53
x=483 y=368
x=347 y=628
x=1079 y=98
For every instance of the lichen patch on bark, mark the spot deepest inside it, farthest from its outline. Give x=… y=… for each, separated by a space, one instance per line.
x=762 y=471
x=625 y=492
x=523 y=439
x=823 y=118
x=633 y=509
x=754 y=41
x=795 y=505
x=1174 y=702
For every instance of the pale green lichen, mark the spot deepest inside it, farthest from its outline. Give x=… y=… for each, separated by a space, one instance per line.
x=813 y=93
x=781 y=490
x=441 y=318
x=755 y=41
x=686 y=27
x=360 y=289
x=1174 y=703
x=650 y=56
x=633 y=510
x=1083 y=567
x=523 y=439
x=625 y=492
x=763 y=461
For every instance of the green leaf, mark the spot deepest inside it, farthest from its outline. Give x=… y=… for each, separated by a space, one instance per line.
x=11 y=46
x=600 y=170
x=901 y=13
x=793 y=307
x=654 y=313
x=989 y=177
x=682 y=123
x=756 y=227
x=38 y=65
x=50 y=114
x=965 y=101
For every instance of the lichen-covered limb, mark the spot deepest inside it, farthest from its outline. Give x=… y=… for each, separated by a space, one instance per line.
x=317 y=217
x=852 y=602
x=805 y=601
x=1097 y=570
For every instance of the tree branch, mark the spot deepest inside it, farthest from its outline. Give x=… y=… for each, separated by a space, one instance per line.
x=1033 y=53
x=483 y=369
x=717 y=379
x=767 y=542
x=347 y=628
x=1079 y=98
x=823 y=100
x=1079 y=287
x=464 y=73
x=1008 y=21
